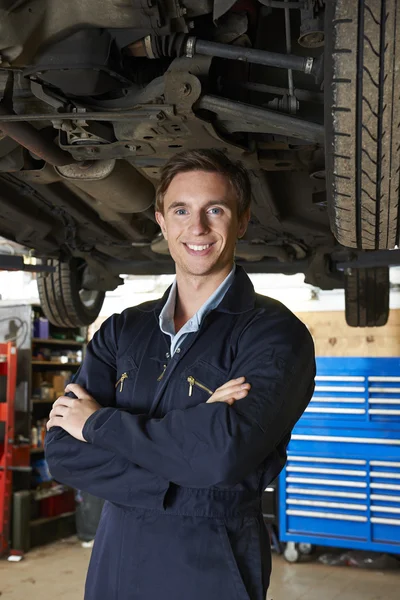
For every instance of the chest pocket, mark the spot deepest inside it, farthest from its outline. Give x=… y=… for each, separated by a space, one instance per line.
x=125 y=383
x=199 y=382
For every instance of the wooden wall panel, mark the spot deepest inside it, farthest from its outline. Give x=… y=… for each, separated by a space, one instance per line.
x=333 y=337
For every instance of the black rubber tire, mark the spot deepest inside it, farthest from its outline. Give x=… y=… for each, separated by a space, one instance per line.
x=60 y=296
x=367 y=297
x=362 y=121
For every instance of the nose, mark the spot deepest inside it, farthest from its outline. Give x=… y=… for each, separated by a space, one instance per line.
x=199 y=223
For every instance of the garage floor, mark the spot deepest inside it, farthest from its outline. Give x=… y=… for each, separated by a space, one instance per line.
x=58 y=571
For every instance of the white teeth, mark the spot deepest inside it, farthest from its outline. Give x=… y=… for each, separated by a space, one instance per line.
x=198 y=248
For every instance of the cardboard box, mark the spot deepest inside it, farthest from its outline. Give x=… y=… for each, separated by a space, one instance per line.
x=59 y=382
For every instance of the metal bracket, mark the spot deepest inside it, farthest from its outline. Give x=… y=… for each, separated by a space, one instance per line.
x=360 y=259
x=16 y=263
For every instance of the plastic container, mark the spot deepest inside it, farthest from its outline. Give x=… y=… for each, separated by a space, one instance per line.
x=41 y=328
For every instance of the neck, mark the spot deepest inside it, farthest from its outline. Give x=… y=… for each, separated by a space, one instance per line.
x=193 y=292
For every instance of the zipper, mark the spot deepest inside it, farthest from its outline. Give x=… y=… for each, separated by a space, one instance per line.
x=162 y=374
x=193 y=382
x=121 y=381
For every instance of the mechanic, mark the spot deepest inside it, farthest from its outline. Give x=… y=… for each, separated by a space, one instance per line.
x=182 y=410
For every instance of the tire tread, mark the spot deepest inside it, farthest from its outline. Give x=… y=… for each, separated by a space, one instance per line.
x=59 y=296
x=367 y=183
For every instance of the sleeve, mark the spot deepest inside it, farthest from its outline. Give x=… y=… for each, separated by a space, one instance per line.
x=99 y=471
x=216 y=443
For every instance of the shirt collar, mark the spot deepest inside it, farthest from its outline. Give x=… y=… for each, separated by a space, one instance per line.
x=166 y=317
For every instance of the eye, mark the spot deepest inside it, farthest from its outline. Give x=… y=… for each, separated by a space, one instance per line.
x=180 y=211
x=215 y=210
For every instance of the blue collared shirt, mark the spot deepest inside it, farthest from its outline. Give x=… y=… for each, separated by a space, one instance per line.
x=166 y=318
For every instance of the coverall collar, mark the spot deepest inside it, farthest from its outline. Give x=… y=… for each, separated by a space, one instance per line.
x=240 y=297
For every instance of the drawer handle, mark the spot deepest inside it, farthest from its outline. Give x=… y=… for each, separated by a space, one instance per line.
x=340 y=472
x=322 y=515
x=332 y=482
x=348 y=440
x=384 y=521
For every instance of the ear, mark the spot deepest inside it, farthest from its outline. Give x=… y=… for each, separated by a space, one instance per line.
x=243 y=223
x=161 y=221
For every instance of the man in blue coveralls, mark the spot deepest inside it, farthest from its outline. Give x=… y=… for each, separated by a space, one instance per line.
x=183 y=408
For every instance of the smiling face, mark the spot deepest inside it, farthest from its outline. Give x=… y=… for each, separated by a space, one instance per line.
x=201 y=224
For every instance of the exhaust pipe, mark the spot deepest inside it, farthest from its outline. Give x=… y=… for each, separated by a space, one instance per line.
x=31 y=139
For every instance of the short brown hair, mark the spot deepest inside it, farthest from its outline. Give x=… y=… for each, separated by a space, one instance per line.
x=211 y=161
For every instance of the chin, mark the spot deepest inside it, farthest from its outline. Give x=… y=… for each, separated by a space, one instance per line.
x=198 y=269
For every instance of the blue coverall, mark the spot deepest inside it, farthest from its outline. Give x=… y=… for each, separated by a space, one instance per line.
x=183 y=479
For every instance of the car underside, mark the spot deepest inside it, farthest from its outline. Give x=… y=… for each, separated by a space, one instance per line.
x=96 y=95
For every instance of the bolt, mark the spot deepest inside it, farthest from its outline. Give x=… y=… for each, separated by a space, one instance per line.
x=186 y=89
x=314 y=39
x=160 y=116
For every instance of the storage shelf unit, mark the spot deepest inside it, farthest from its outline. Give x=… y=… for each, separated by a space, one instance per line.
x=55 y=342
x=8 y=371
x=341 y=484
x=52 y=363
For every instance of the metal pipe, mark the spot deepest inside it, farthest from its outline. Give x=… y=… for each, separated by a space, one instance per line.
x=288 y=46
x=280 y=123
x=279 y=4
x=263 y=88
x=151 y=110
x=252 y=55
x=358 y=260
x=31 y=139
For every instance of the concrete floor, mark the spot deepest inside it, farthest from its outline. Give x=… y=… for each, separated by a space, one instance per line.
x=58 y=571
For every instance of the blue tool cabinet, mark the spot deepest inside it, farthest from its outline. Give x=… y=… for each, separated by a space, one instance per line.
x=341 y=484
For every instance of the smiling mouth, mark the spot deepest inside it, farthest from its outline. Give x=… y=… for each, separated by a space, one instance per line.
x=199 y=247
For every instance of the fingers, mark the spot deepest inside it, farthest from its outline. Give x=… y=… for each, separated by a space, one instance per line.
x=230 y=393
x=59 y=410
x=78 y=390
x=231 y=382
x=64 y=401
x=54 y=422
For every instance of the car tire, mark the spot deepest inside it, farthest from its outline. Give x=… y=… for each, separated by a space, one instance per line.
x=367 y=297
x=62 y=298
x=362 y=121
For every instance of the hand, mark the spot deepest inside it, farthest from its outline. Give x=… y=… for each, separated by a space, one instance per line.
x=233 y=390
x=72 y=413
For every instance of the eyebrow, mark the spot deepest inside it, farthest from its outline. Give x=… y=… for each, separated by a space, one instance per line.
x=181 y=204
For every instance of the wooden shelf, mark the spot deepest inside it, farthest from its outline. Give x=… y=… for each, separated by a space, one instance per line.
x=41 y=401
x=57 y=342
x=43 y=520
x=50 y=493
x=51 y=363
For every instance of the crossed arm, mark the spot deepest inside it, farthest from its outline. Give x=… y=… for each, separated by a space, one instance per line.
x=71 y=414
x=212 y=443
